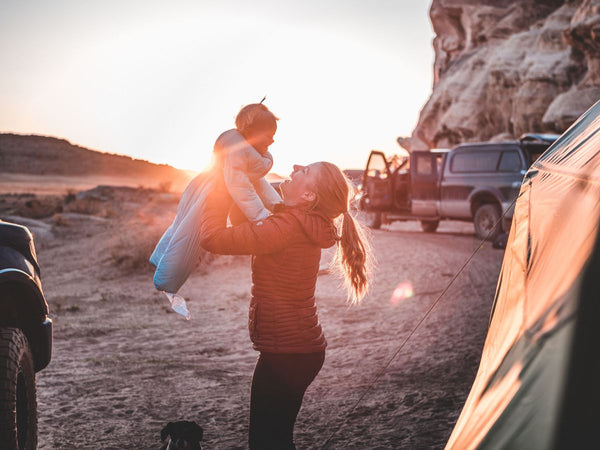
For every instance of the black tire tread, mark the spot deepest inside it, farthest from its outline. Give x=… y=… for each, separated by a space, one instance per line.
x=375 y=220
x=429 y=226
x=497 y=230
x=15 y=353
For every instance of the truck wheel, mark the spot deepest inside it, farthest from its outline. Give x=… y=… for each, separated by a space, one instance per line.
x=506 y=224
x=486 y=222
x=18 y=405
x=429 y=226
x=372 y=219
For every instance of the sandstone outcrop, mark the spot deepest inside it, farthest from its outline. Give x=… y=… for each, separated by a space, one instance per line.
x=503 y=68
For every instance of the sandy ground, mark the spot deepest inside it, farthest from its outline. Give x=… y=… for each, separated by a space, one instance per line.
x=124 y=364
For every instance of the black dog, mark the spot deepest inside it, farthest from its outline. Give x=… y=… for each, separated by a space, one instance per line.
x=183 y=435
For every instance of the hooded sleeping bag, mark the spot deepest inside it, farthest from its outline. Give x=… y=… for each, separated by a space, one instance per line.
x=237 y=175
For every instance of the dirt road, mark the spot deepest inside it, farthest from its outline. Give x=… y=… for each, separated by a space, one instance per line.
x=124 y=365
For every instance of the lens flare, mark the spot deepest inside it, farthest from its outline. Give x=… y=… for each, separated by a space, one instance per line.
x=403 y=291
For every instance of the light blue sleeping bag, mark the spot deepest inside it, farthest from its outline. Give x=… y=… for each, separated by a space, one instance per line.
x=243 y=168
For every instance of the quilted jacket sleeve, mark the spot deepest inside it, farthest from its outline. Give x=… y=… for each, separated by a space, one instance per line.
x=266 y=236
x=267 y=193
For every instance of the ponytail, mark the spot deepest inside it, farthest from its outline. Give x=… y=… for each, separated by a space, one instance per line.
x=353 y=260
x=353 y=257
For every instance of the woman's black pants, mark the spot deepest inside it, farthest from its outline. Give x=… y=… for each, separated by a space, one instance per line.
x=278 y=386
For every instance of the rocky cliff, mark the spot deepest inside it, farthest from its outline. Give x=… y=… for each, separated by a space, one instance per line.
x=503 y=68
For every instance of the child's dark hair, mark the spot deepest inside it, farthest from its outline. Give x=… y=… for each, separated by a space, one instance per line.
x=255 y=116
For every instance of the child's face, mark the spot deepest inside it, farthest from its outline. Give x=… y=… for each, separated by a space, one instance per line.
x=262 y=139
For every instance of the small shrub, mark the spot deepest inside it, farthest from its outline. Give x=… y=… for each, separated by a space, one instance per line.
x=89 y=206
x=165 y=186
x=131 y=250
x=60 y=221
x=108 y=213
x=70 y=196
x=40 y=207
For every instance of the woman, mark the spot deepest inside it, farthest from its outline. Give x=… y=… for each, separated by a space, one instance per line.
x=283 y=322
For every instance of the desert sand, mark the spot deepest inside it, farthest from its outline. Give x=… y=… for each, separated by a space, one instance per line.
x=124 y=364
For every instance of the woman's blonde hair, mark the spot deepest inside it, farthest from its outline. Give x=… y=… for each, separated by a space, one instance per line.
x=353 y=258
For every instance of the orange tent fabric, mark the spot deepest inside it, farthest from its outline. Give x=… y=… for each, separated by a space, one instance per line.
x=538 y=383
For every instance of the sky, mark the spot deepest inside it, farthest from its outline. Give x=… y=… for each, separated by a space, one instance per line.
x=161 y=80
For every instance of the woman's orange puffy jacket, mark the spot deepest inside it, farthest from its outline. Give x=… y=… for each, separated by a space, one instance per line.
x=287 y=251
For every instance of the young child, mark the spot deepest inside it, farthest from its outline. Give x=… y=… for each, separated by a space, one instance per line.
x=240 y=161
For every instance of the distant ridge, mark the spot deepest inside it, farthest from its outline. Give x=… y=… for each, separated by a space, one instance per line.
x=45 y=155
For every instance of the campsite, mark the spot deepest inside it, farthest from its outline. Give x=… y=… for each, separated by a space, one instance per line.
x=400 y=365
x=124 y=364
x=250 y=160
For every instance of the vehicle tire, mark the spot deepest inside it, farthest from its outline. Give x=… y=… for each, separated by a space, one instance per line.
x=18 y=405
x=486 y=221
x=506 y=224
x=429 y=226
x=373 y=219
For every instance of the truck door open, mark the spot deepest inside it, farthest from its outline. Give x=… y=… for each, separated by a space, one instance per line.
x=377 y=183
x=424 y=175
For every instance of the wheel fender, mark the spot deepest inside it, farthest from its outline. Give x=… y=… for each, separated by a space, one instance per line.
x=34 y=297
x=19 y=293
x=484 y=195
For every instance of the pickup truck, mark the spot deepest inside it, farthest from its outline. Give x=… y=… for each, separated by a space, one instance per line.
x=476 y=182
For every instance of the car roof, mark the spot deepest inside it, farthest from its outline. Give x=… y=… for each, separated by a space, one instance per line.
x=432 y=150
x=527 y=138
x=470 y=145
x=540 y=137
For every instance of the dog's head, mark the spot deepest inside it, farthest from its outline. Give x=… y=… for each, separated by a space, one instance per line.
x=183 y=435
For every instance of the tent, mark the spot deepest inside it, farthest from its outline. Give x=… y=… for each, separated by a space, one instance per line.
x=538 y=383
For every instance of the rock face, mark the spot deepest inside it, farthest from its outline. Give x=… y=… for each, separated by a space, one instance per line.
x=503 y=68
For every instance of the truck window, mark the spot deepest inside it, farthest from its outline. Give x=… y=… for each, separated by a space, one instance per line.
x=377 y=166
x=510 y=162
x=397 y=161
x=424 y=166
x=534 y=151
x=470 y=162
